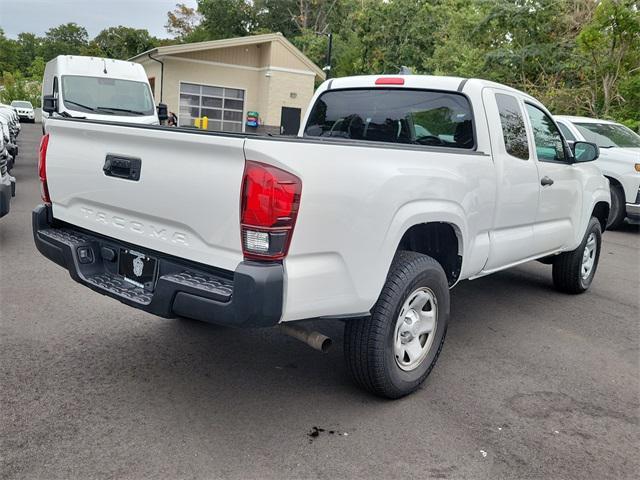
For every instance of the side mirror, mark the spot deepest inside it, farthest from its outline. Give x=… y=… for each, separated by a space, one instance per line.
x=49 y=104
x=585 y=151
x=163 y=112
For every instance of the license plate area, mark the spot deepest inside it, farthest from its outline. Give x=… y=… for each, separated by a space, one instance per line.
x=137 y=268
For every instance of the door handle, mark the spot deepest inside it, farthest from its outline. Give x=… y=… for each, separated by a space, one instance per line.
x=546 y=181
x=127 y=168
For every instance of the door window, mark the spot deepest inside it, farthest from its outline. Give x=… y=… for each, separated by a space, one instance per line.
x=546 y=136
x=223 y=107
x=514 y=132
x=566 y=132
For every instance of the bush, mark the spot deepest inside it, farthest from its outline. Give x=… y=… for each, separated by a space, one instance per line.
x=16 y=87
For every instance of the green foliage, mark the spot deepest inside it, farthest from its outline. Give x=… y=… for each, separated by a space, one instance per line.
x=224 y=19
x=16 y=87
x=576 y=56
x=36 y=69
x=124 y=42
x=182 y=21
x=612 y=43
x=68 y=39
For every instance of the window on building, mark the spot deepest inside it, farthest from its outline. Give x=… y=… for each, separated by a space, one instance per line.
x=514 y=132
x=223 y=107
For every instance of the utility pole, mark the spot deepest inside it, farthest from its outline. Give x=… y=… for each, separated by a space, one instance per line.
x=327 y=68
x=327 y=61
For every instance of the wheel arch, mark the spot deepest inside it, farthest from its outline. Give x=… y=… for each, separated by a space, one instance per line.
x=615 y=182
x=601 y=212
x=443 y=241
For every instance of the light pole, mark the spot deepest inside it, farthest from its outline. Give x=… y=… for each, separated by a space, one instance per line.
x=327 y=67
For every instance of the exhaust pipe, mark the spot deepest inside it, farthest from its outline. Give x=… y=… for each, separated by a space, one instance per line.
x=315 y=340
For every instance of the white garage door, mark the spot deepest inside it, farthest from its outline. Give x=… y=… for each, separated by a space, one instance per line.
x=223 y=106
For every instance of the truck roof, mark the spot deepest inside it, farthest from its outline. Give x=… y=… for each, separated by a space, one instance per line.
x=575 y=119
x=435 y=82
x=97 y=67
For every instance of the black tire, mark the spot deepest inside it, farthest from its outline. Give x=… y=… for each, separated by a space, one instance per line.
x=369 y=342
x=617 y=212
x=567 y=267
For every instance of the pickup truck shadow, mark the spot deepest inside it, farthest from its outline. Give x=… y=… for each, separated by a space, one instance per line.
x=203 y=365
x=178 y=378
x=629 y=227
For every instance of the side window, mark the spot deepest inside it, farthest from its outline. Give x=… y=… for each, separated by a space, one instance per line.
x=514 y=132
x=566 y=132
x=546 y=136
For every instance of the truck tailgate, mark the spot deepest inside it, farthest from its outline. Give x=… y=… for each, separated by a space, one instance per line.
x=185 y=202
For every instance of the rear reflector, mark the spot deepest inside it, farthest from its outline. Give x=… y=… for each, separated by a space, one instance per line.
x=268 y=211
x=42 y=169
x=389 y=81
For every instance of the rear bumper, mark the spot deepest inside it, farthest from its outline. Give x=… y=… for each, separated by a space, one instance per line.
x=252 y=296
x=7 y=190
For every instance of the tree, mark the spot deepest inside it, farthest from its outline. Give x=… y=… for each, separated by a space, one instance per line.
x=124 y=42
x=182 y=21
x=276 y=16
x=16 y=87
x=36 y=69
x=30 y=47
x=225 y=18
x=9 y=53
x=67 y=39
x=395 y=33
x=612 y=41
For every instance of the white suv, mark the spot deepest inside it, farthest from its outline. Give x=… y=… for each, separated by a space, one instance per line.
x=24 y=110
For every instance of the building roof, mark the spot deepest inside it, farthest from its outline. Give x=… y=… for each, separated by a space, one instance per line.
x=234 y=42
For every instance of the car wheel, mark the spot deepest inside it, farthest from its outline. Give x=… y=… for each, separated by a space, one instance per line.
x=393 y=351
x=573 y=271
x=617 y=211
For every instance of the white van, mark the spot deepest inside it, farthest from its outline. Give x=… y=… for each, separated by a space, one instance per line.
x=97 y=89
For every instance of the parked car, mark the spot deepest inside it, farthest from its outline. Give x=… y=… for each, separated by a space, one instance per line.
x=362 y=217
x=10 y=115
x=10 y=143
x=97 y=89
x=24 y=110
x=7 y=182
x=619 y=161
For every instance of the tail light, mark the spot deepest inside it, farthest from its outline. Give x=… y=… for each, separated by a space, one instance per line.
x=268 y=211
x=42 y=169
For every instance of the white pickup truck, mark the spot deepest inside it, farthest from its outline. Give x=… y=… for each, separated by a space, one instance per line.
x=619 y=162
x=395 y=190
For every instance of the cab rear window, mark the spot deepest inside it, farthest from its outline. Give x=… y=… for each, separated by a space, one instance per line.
x=419 y=117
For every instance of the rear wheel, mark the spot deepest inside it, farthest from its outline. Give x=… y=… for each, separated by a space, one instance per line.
x=617 y=212
x=392 y=352
x=573 y=271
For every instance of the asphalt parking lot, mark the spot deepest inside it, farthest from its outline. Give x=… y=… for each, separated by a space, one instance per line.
x=530 y=384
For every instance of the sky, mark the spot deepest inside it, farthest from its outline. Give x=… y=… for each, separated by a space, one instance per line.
x=37 y=16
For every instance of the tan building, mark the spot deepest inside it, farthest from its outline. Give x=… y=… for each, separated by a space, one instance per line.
x=228 y=80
